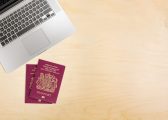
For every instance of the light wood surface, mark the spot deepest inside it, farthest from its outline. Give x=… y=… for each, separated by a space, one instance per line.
x=116 y=65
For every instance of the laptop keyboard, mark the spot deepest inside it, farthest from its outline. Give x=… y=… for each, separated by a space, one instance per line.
x=23 y=20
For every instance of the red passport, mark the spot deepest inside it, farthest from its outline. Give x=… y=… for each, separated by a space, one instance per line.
x=47 y=81
x=30 y=75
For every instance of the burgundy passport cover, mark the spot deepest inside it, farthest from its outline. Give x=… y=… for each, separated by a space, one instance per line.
x=30 y=74
x=47 y=81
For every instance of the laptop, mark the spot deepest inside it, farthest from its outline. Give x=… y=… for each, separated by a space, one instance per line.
x=28 y=28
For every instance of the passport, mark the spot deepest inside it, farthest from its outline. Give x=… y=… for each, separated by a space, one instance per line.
x=47 y=81
x=30 y=75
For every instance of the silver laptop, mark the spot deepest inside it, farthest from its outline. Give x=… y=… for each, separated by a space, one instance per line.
x=29 y=27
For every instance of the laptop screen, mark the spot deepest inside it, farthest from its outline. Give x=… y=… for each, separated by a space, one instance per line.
x=7 y=4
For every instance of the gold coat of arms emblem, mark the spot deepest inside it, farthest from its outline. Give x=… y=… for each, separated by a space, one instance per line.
x=46 y=82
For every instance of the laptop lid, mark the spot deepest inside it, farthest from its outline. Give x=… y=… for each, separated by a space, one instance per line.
x=7 y=4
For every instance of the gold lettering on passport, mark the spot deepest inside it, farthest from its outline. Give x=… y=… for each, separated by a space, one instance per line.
x=46 y=82
x=32 y=78
x=51 y=68
x=42 y=93
x=31 y=82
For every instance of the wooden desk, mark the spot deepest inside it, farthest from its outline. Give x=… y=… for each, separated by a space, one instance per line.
x=117 y=65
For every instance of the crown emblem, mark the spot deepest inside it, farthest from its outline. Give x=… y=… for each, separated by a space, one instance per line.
x=46 y=82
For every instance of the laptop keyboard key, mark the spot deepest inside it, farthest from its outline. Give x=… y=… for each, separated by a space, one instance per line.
x=3 y=38
x=10 y=39
x=1 y=35
x=14 y=36
x=6 y=41
x=3 y=43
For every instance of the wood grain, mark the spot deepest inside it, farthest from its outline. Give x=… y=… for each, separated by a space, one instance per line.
x=116 y=65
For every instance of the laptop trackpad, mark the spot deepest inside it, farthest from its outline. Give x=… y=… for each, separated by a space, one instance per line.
x=36 y=42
